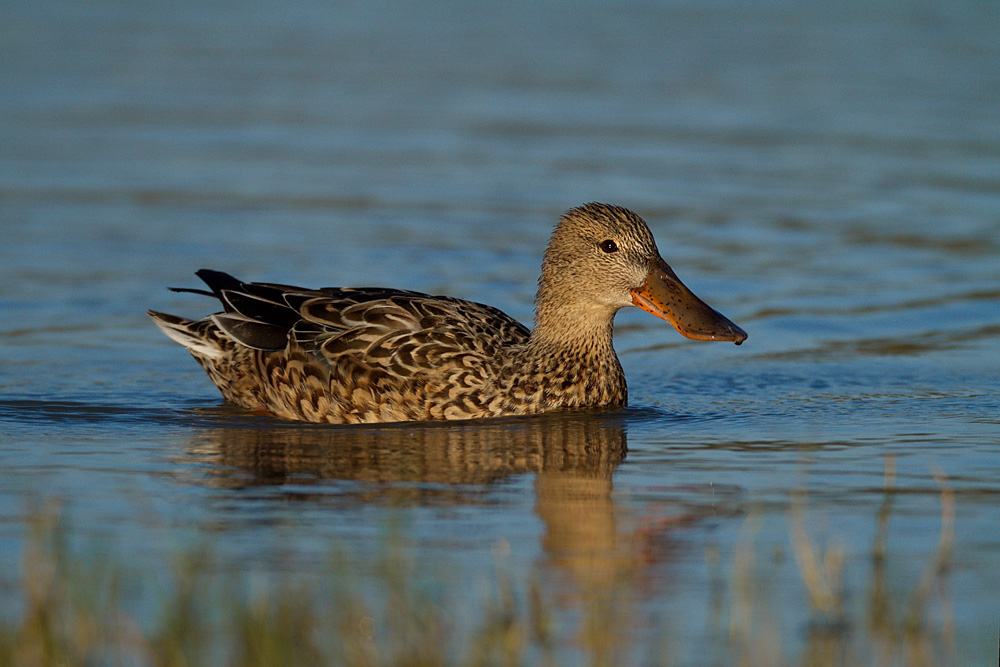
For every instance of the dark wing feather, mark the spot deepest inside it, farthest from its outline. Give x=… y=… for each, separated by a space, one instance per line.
x=257 y=308
x=218 y=281
x=251 y=333
x=254 y=316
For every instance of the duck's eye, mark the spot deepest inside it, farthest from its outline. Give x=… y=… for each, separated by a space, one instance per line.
x=609 y=246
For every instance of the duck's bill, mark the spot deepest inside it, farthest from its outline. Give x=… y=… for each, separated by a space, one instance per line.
x=664 y=295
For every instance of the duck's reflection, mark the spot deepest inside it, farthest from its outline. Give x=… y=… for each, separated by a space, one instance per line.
x=572 y=457
x=582 y=446
x=592 y=552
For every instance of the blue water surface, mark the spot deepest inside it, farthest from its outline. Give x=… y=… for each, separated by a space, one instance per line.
x=828 y=176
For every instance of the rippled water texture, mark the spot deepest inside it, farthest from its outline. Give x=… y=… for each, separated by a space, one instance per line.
x=826 y=176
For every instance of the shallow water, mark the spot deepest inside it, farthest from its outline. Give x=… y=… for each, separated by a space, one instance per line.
x=829 y=178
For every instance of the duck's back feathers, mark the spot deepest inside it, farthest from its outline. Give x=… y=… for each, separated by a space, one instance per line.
x=407 y=343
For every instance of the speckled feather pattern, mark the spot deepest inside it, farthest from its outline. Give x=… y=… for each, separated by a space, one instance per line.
x=355 y=355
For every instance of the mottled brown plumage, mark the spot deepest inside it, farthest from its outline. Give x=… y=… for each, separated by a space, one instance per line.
x=346 y=355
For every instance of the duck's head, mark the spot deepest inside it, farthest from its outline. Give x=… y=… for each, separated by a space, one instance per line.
x=602 y=258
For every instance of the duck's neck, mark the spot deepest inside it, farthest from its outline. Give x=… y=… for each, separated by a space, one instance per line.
x=571 y=360
x=584 y=331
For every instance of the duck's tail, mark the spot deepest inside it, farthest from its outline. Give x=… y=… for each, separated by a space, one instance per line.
x=192 y=334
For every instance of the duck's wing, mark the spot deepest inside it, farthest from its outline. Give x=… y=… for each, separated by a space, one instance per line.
x=401 y=331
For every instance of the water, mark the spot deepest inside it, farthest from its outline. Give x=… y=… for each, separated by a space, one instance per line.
x=828 y=177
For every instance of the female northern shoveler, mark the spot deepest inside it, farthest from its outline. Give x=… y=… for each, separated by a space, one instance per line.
x=350 y=355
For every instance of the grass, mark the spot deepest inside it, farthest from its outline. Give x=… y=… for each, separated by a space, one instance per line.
x=76 y=609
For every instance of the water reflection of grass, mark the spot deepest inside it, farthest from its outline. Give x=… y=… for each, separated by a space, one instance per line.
x=76 y=610
x=887 y=632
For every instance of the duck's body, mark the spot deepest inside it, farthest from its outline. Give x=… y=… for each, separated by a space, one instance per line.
x=351 y=355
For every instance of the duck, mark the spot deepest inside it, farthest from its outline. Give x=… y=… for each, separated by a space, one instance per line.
x=348 y=355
